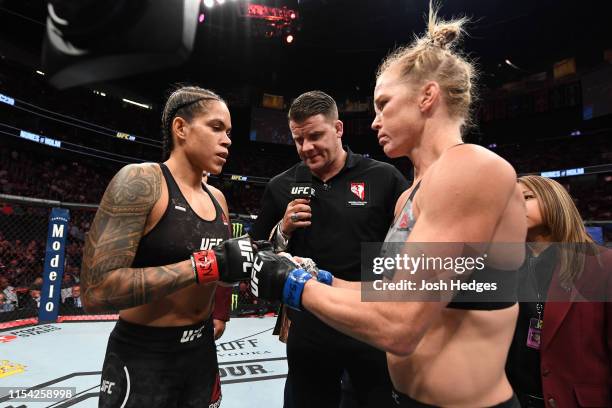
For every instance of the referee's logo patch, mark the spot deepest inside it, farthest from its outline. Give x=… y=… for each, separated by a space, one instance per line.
x=359 y=190
x=358 y=194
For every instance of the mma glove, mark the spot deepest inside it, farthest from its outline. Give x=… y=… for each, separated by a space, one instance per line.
x=311 y=267
x=276 y=277
x=231 y=261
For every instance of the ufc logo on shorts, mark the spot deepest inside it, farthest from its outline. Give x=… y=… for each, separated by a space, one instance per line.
x=208 y=243
x=246 y=250
x=106 y=387
x=254 y=281
x=191 y=335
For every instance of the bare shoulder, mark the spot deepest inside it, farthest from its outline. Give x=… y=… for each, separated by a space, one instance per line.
x=220 y=197
x=134 y=188
x=218 y=194
x=472 y=157
x=472 y=166
x=468 y=179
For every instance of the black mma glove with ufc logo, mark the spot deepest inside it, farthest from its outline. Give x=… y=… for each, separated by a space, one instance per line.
x=231 y=261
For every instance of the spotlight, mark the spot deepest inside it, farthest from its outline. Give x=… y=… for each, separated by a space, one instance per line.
x=201 y=18
x=220 y=1
x=140 y=105
x=209 y=3
x=292 y=15
x=509 y=63
x=289 y=39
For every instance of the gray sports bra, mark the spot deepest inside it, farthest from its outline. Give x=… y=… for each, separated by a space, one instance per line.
x=468 y=300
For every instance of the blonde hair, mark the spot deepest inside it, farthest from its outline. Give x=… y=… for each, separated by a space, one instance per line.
x=561 y=217
x=433 y=57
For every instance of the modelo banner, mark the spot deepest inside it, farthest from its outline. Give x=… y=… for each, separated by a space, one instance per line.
x=54 y=265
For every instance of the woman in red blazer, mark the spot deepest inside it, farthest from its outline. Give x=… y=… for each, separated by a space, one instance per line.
x=561 y=354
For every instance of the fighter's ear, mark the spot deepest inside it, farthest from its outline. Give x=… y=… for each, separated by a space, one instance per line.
x=430 y=93
x=179 y=126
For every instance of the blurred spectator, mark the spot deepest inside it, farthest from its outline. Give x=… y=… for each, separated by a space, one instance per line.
x=5 y=305
x=8 y=291
x=74 y=300
x=33 y=299
x=244 y=294
x=68 y=282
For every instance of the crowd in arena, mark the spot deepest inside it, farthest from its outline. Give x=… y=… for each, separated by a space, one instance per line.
x=79 y=180
x=45 y=173
x=27 y=174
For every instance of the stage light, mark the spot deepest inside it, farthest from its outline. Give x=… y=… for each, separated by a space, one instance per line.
x=509 y=63
x=289 y=39
x=201 y=18
x=209 y=3
x=88 y=43
x=220 y=1
x=140 y=105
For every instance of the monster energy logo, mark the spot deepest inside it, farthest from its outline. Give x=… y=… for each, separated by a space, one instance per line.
x=234 y=304
x=237 y=229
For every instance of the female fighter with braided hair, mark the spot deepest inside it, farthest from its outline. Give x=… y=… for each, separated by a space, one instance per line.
x=156 y=250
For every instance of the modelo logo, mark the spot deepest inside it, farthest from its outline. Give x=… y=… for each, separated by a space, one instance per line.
x=56 y=247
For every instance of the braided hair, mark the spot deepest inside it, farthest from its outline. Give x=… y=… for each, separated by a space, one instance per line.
x=186 y=102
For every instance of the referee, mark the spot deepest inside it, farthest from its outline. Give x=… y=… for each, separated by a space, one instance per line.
x=353 y=201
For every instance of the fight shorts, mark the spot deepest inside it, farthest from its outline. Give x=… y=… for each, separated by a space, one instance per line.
x=160 y=367
x=404 y=401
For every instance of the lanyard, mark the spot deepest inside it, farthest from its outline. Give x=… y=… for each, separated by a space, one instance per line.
x=533 y=261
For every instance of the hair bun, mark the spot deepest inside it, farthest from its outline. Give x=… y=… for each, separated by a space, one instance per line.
x=441 y=33
x=445 y=36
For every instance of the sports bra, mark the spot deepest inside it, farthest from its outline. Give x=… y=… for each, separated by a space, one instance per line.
x=506 y=280
x=180 y=231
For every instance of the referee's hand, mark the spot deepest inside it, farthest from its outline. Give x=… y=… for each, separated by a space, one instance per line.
x=297 y=215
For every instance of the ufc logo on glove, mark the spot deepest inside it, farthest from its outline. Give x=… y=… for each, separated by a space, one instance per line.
x=246 y=250
x=254 y=281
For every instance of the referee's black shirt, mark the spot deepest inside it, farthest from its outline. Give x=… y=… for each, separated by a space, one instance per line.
x=354 y=206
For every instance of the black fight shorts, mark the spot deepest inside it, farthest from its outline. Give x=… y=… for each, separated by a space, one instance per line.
x=160 y=367
x=404 y=401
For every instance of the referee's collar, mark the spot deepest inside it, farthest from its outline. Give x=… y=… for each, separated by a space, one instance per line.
x=352 y=159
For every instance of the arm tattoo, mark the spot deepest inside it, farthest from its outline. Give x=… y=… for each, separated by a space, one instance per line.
x=107 y=279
